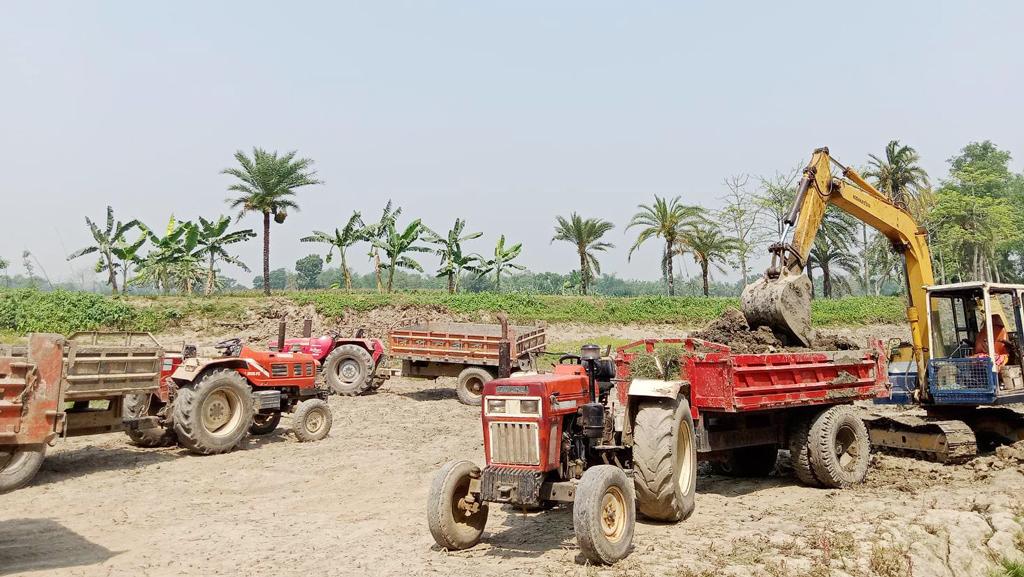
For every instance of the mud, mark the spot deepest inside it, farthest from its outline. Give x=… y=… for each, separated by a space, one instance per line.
x=731 y=329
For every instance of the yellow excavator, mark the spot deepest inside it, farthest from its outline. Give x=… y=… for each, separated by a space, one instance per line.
x=963 y=363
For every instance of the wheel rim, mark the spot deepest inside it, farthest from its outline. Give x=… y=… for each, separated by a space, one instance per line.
x=221 y=411
x=136 y=404
x=314 y=422
x=613 y=514
x=846 y=449
x=684 y=459
x=475 y=386
x=348 y=371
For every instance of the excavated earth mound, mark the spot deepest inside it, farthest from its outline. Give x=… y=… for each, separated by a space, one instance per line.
x=732 y=329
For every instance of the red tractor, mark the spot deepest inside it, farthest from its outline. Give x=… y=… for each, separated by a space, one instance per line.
x=350 y=365
x=210 y=405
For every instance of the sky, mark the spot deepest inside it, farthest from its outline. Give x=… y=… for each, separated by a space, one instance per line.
x=504 y=114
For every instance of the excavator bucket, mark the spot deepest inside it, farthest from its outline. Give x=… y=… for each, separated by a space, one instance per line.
x=782 y=304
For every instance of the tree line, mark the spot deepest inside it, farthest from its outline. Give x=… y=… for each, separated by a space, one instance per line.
x=974 y=219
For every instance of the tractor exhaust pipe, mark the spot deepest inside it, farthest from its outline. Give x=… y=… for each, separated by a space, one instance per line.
x=307 y=328
x=282 y=326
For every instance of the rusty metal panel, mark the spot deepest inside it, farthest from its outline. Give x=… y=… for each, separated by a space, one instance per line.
x=31 y=395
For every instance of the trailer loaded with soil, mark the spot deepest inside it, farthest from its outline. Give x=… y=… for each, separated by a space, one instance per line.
x=473 y=353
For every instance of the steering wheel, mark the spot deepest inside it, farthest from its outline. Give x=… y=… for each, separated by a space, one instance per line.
x=577 y=360
x=229 y=347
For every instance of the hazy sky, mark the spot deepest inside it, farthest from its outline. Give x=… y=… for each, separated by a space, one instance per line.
x=503 y=113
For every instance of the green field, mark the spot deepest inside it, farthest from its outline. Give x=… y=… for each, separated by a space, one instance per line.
x=25 y=310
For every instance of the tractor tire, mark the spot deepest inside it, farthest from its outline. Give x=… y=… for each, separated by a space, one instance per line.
x=264 y=423
x=756 y=461
x=212 y=415
x=19 y=465
x=470 y=387
x=604 y=514
x=840 y=450
x=348 y=370
x=800 y=452
x=312 y=420
x=452 y=527
x=665 y=459
x=153 y=437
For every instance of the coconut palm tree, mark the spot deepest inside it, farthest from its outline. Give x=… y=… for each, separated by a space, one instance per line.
x=106 y=239
x=213 y=237
x=828 y=256
x=899 y=175
x=585 y=234
x=354 y=231
x=709 y=247
x=266 y=185
x=449 y=248
x=396 y=243
x=501 y=262
x=666 y=219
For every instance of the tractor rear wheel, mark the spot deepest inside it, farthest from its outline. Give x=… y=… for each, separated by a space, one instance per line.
x=264 y=423
x=311 y=420
x=604 y=514
x=19 y=464
x=213 y=414
x=470 y=387
x=756 y=461
x=800 y=452
x=456 y=518
x=665 y=459
x=348 y=370
x=840 y=450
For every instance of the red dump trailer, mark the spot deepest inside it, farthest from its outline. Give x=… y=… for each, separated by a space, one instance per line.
x=747 y=406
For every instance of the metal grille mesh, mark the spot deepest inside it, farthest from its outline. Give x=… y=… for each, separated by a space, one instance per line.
x=514 y=443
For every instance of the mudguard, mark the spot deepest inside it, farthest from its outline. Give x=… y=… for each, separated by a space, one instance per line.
x=654 y=388
x=189 y=369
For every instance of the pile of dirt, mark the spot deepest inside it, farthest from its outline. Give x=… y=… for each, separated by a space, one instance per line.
x=731 y=329
x=1004 y=457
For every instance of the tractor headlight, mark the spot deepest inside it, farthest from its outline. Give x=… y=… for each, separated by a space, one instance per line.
x=529 y=407
x=495 y=406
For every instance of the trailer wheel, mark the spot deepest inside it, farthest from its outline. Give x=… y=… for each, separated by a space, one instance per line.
x=451 y=517
x=470 y=387
x=348 y=370
x=800 y=452
x=311 y=420
x=604 y=514
x=756 y=461
x=19 y=465
x=264 y=423
x=839 y=447
x=665 y=459
x=213 y=414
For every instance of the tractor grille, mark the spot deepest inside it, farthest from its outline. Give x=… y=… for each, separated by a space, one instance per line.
x=278 y=370
x=514 y=443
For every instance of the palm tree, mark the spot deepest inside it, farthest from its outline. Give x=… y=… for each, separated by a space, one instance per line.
x=709 y=247
x=213 y=236
x=898 y=175
x=396 y=244
x=502 y=261
x=106 y=239
x=827 y=255
x=267 y=183
x=665 y=219
x=585 y=235
x=449 y=248
x=354 y=231
x=376 y=233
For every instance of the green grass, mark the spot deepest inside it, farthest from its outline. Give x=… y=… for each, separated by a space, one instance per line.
x=545 y=362
x=25 y=310
x=1008 y=568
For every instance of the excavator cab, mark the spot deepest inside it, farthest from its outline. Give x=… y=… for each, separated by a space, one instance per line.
x=974 y=347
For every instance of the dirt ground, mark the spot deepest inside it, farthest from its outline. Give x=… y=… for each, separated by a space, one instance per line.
x=354 y=504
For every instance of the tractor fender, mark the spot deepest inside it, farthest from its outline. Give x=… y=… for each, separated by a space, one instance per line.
x=189 y=370
x=654 y=388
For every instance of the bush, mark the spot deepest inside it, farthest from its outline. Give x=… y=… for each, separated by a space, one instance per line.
x=60 y=311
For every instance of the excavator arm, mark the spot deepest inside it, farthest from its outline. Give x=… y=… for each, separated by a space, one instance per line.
x=781 y=300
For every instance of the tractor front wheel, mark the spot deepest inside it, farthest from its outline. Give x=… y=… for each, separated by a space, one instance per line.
x=665 y=459
x=264 y=423
x=19 y=464
x=604 y=514
x=470 y=387
x=348 y=370
x=213 y=414
x=456 y=518
x=311 y=420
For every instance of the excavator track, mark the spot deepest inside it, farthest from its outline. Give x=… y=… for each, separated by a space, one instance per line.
x=944 y=441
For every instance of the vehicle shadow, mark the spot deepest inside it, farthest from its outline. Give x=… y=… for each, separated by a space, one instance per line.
x=88 y=460
x=44 y=544
x=282 y=434
x=737 y=486
x=435 y=394
x=529 y=535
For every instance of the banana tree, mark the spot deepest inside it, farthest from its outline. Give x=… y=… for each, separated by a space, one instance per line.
x=177 y=243
x=212 y=238
x=354 y=231
x=395 y=244
x=105 y=240
x=502 y=261
x=449 y=248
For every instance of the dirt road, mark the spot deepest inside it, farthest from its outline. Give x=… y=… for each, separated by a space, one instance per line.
x=354 y=505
